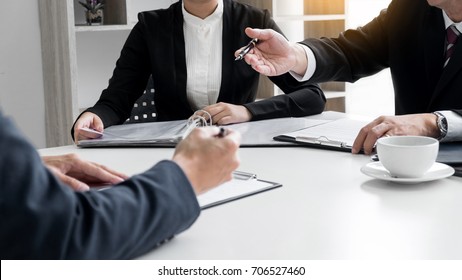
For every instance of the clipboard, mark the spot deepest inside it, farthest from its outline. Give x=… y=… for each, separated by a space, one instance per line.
x=320 y=142
x=242 y=185
x=337 y=135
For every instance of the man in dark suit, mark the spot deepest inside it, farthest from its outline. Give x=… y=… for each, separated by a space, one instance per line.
x=42 y=218
x=417 y=39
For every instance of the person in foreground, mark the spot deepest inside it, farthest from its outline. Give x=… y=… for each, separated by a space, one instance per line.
x=188 y=50
x=419 y=40
x=42 y=218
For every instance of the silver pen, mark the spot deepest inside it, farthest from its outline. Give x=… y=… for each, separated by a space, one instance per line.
x=240 y=175
x=246 y=49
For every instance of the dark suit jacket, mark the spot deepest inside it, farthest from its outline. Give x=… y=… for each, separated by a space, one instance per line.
x=156 y=46
x=43 y=219
x=408 y=37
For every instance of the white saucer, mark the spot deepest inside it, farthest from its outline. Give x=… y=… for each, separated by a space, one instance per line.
x=437 y=171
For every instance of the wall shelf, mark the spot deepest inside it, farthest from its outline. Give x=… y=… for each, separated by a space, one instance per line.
x=279 y=19
x=93 y=28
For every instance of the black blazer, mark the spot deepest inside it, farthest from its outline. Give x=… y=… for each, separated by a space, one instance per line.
x=156 y=46
x=408 y=37
x=43 y=219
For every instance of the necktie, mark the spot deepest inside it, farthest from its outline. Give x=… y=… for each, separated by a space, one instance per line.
x=452 y=36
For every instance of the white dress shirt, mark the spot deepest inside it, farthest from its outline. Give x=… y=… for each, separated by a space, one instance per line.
x=203 y=46
x=454 y=120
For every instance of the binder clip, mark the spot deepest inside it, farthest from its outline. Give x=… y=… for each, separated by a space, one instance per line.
x=200 y=118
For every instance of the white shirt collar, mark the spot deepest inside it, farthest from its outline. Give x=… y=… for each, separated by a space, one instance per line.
x=214 y=17
x=448 y=22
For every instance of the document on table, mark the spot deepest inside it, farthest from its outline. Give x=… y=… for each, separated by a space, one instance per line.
x=140 y=134
x=334 y=135
x=162 y=134
x=261 y=133
x=242 y=185
x=168 y=134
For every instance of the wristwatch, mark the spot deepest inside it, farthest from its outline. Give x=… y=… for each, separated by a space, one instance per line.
x=442 y=124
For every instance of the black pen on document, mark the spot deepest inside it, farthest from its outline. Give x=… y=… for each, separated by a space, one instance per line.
x=247 y=49
x=222 y=132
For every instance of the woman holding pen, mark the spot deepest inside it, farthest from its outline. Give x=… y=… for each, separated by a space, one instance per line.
x=188 y=49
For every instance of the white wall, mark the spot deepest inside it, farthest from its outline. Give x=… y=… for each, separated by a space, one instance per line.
x=293 y=30
x=371 y=96
x=21 y=79
x=146 y=5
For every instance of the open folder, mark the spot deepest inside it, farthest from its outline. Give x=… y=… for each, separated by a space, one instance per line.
x=336 y=135
x=162 y=134
x=168 y=134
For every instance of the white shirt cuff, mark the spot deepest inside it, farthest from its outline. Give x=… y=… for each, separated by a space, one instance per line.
x=310 y=68
x=454 y=126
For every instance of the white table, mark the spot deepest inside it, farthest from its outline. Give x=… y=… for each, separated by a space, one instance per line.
x=326 y=209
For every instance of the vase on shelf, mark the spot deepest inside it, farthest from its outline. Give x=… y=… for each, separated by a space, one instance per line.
x=93 y=11
x=94 y=17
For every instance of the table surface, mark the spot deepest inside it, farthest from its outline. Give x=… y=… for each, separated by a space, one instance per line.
x=326 y=209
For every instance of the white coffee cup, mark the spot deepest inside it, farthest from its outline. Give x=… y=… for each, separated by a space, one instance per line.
x=407 y=156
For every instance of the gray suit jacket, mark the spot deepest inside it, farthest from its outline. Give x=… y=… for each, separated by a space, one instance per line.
x=43 y=219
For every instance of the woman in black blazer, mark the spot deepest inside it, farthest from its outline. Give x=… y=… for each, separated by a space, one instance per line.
x=160 y=45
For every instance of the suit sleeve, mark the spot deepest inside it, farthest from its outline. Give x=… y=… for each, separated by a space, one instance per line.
x=354 y=54
x=44 y=219
x=128 y=81
x=299 y=98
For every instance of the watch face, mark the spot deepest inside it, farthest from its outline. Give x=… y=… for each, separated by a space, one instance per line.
x=444 y=123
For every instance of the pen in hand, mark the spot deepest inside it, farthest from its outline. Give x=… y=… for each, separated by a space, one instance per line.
x=246 y=49
x=222 y=132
